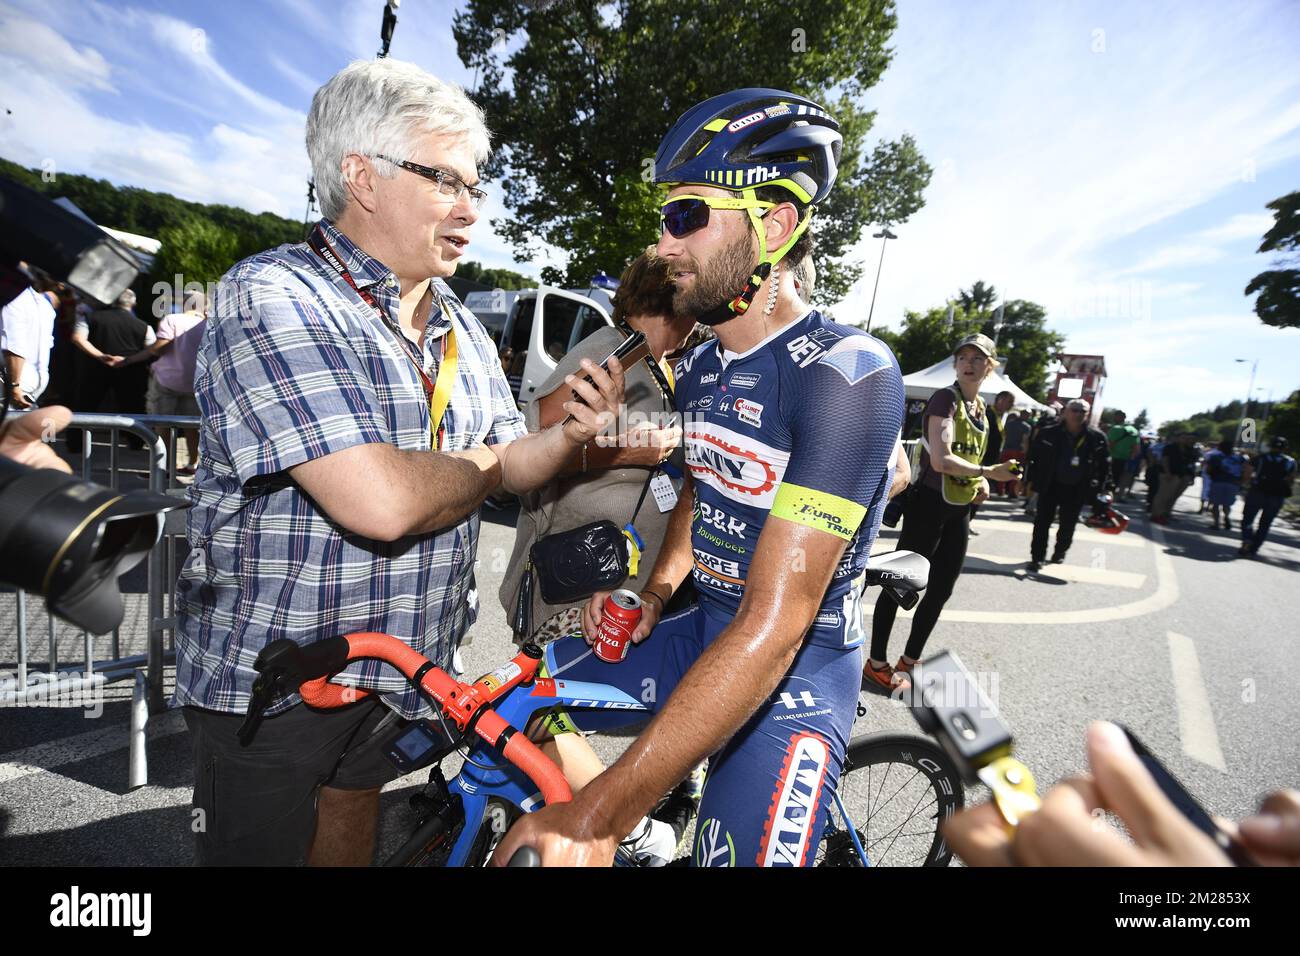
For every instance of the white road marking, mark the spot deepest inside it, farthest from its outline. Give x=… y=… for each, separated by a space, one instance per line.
x=93 y=743
x=1195 y=718
x=1165 y=595
x=1072 y=572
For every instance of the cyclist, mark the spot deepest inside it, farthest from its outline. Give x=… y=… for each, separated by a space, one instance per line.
x=791 y=424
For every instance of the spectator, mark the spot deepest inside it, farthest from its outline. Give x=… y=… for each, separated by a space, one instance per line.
x=1177 y=467
x=26 y=340
x=171 y=377
x=1125 y=446
x=1049 y=417
x=355 y=416
x=1069 y=467
x=1015 y=440
x=1154 y=451
x=1270 y=478
x=1223 y=468
x=606 y=482
x=1002 y=403
x=936 y=519
x=104 y=337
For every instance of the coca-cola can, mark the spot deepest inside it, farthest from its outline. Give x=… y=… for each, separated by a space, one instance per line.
x=614 y=635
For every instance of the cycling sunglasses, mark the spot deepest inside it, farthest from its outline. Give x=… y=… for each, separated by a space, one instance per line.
x=683 y=215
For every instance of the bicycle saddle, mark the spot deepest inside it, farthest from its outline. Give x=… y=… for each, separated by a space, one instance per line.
x=902 y=574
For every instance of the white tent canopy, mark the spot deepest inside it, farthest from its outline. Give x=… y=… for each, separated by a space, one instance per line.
x=923 y=384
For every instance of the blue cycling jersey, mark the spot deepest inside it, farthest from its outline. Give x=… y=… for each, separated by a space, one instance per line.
x=801 y=426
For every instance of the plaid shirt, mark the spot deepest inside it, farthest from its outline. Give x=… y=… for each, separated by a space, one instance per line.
x=295 y=366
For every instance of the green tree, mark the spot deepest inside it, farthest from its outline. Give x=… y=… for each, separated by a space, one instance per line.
x=1284 y=420
x=978 y=298
x=1142 y=421
x=579 y=95
x=1026 y=342
x=1279 y=288
x=197 y=249
x=494 y=278
x=926 y=337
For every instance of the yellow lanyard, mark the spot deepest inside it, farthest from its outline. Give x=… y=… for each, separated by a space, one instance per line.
x=441 y=395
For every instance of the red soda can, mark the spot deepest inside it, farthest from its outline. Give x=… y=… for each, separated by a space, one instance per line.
x=614 y=635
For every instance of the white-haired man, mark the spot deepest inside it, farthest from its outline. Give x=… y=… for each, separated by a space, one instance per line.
x=354 y=418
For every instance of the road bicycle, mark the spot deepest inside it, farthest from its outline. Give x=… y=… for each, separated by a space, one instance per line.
x=894 y=791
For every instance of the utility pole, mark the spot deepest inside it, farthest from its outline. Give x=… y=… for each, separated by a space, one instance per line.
x=884 y=235
x=1250 y=389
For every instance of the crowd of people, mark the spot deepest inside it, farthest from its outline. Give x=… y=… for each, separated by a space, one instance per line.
x=355 y=416
x=62 y=348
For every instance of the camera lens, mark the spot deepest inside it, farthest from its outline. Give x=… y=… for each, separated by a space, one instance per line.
x=69 y=540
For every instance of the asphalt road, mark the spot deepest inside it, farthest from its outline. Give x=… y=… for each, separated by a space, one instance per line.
x=1162 y=629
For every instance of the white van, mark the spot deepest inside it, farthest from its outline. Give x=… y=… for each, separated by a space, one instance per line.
x=534 y=328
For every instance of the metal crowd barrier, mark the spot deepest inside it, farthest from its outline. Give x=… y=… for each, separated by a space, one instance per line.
x=32 y=686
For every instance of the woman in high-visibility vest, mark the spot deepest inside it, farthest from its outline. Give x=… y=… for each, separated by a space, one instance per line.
x=936 y=522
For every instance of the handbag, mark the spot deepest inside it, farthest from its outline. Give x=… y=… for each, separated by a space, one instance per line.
x=572 y=565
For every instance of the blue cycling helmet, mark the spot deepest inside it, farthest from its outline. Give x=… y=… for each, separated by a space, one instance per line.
x=747 y=139
x=750 y=138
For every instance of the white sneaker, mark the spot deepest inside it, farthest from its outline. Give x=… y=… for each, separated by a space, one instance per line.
x=457 y=665
x=651 y=843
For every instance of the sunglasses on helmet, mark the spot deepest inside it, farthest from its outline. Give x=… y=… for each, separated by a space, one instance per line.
x=682 y=215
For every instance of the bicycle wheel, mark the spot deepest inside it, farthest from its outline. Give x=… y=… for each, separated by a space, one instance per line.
x=498 y=817
x=895 y=790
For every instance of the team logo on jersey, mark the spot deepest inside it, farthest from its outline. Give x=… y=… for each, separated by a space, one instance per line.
x=708 y=378
x=738 y=466
x=788 y=830
x=719 y=519
x=703 y=402
x=724 y=569
x=713 y=845
x=856 y=357
x=806 y=349
x=744 y=380
x=724 y=406
x=751 y=413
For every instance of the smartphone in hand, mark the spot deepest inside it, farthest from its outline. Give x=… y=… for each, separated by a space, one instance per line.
x=1187 y=804
x=631 y=350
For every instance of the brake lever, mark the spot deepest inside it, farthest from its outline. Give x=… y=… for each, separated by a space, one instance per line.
x=265 y=689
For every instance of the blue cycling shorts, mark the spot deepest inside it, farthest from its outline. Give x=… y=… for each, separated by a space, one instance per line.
x=769 y=787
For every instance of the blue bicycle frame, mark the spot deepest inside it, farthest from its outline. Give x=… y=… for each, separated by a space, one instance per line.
x=485 y=775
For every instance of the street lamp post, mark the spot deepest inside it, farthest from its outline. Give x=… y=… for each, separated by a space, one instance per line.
x=1250 y=390
x=884 y=235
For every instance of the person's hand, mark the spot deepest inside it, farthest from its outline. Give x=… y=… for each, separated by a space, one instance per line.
x=26 y=439
x=1070 y=829
x=1002 y=470
x=648 y=444
x=982 y=492
x=602 y=398
x=1272 y=836
x=18 y=398
x=563 y=834
x=651 y=609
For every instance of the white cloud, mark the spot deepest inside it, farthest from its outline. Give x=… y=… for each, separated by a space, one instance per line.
x=1246 y=225
x=45 y=50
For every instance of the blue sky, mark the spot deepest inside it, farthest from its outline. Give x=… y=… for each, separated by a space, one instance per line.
x=1109 y=160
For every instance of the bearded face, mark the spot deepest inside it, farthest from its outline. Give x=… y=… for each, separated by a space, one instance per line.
x=716 y=280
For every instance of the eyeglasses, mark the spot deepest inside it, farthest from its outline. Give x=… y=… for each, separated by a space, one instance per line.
x=682 y=215
x=449 y=184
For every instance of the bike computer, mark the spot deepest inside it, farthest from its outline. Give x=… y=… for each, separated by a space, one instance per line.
x=418 y=744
